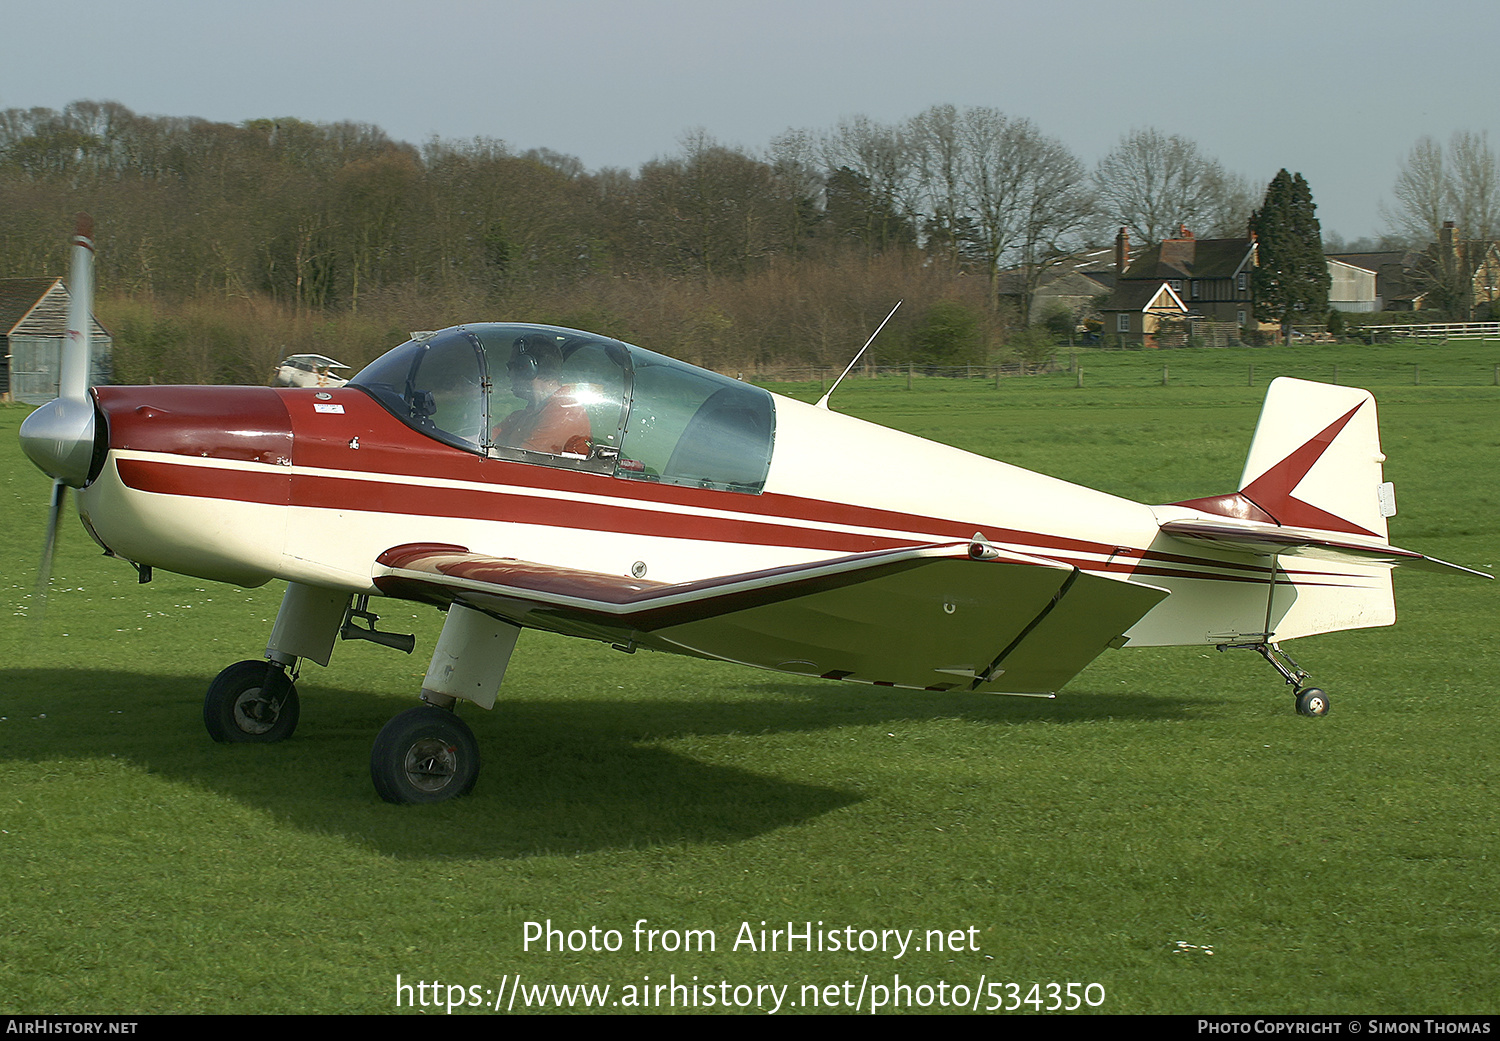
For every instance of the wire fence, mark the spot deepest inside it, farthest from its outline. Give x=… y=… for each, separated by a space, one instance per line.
x=1469 y=364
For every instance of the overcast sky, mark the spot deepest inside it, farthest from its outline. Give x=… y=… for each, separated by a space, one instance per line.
x=1338 y=91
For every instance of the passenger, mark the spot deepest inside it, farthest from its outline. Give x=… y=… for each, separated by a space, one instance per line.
x=552 y=420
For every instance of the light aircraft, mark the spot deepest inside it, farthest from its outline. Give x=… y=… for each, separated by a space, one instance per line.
x=307 y=370
x=530 y=477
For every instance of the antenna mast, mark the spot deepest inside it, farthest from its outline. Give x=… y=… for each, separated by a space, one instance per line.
x=823 y=401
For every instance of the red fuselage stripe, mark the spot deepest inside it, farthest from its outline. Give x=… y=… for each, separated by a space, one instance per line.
x=320 y=491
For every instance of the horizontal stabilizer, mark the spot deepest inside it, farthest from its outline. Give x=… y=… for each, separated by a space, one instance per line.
x=1276 y=540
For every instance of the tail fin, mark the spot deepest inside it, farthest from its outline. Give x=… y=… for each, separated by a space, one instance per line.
x=1315 y=460
x=1314 y=463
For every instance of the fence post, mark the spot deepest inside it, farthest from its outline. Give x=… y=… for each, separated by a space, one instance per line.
x=1163 y=375
x=1078 y=382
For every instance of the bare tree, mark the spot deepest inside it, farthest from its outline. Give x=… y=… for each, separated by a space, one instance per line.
x=936 y=140
x=875 y=157
x=1459 y=183
x=1421 y=194
x=1155 y=183
x=1234 y=199
x=713 y=210
x=1025 y=192
x=793 y=157
x=1473 y=185
x=1059 y=210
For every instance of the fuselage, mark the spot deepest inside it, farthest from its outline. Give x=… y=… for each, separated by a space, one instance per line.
x=250 y=484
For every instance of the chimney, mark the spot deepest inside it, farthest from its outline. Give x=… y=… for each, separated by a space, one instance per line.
x=1122 y=252
x=1448 y=238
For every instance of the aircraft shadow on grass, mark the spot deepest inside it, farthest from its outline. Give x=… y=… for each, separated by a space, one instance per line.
x=567 y=775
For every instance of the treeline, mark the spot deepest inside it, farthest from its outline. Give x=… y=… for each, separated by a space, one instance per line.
x=333 y=237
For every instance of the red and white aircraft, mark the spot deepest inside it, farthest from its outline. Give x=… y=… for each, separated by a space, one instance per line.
x=530 y=477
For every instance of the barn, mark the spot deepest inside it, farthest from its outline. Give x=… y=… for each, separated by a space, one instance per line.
x=33 y=323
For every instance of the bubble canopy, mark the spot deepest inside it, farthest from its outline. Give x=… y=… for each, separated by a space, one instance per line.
x=560 y=397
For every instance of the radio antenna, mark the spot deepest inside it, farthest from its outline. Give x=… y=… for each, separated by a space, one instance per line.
x=823 y=401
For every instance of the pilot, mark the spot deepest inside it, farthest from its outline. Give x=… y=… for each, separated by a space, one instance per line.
x=552 y=420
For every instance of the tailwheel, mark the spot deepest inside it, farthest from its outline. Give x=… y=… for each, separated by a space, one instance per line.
x=251 y=701
x=1312 y=702
x=426 y=754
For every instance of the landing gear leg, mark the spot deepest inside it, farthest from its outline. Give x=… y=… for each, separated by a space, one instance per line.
x=427 y=754
x=1311 y=701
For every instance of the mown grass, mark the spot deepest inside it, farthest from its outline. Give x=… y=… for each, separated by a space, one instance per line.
x=1168 y=804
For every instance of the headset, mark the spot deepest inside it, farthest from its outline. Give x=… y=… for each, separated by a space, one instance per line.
x=532 y=356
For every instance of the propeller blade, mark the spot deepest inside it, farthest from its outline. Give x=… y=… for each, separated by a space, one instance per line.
x=73 y=375
x=49 y=545
x=59 y=436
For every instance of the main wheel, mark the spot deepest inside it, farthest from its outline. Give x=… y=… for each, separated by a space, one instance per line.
x=426 y=754
x=1312 y=702
x=251 y=701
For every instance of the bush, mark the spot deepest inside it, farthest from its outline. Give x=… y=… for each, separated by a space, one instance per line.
x=1033 y=347
x=1058 y=320
x=950 y=333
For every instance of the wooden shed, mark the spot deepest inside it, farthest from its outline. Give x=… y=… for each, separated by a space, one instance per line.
x=33 y=323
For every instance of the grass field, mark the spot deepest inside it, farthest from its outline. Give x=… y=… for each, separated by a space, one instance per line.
x=1167 y=829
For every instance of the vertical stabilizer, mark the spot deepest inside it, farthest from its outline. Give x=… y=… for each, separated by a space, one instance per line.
x=1315 y=460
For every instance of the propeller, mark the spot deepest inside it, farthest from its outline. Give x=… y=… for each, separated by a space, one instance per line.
x=49 y=545
x=59 y=436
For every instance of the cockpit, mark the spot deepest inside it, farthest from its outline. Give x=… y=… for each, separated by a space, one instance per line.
x=564 y=398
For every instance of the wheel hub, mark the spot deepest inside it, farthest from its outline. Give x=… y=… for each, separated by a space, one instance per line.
x=1312 y=702
x=254 y=712
x=431 y=764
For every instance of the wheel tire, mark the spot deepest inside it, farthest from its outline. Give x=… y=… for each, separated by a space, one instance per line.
x=1312 y=702
x=251 y=701
x=424 y=755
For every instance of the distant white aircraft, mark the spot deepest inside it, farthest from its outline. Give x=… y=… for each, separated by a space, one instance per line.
x=308 y=370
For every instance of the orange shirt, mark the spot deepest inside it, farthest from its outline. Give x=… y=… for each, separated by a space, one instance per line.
x=560 y=424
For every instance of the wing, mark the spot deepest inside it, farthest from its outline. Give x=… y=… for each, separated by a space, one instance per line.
x=931 y=617
x=1273 y=539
